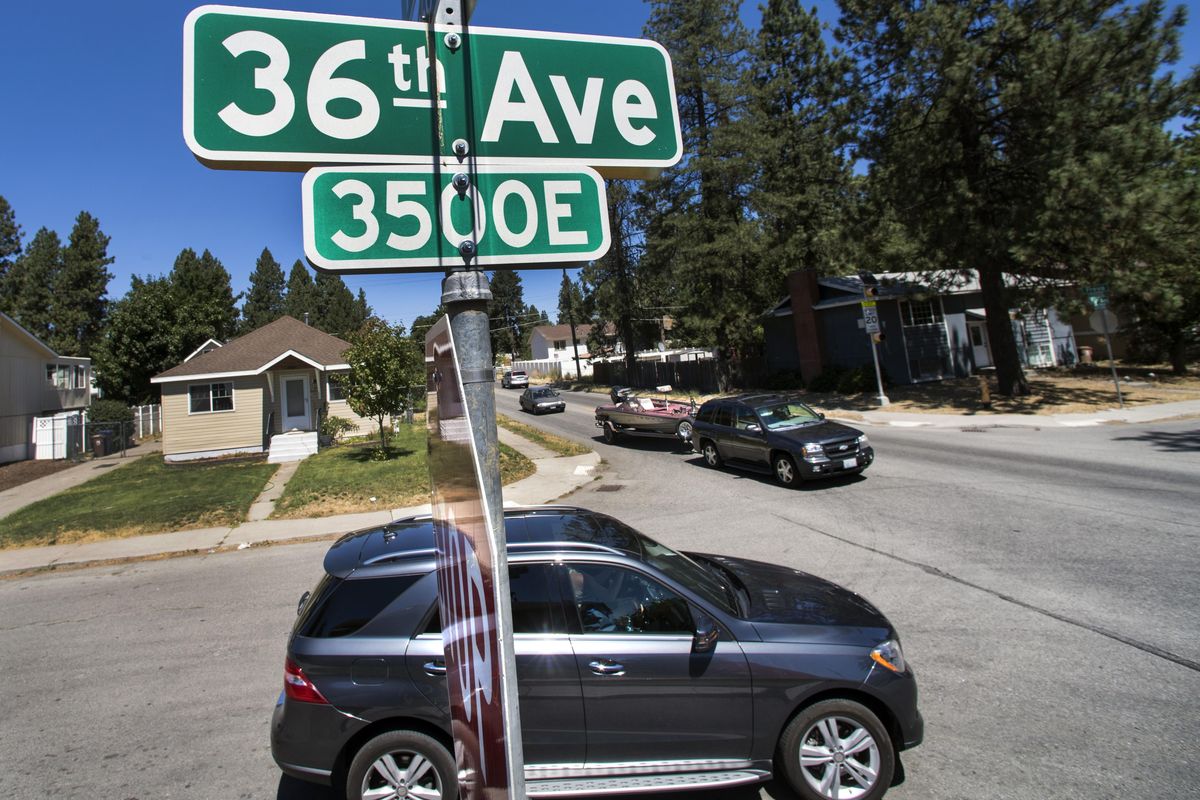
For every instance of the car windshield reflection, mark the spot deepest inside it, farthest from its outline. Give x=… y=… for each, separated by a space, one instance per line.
x=781 y=416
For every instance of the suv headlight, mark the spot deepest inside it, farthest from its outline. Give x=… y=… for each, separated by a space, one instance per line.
x=813 y=450
x=889 y=655
x=863 y=441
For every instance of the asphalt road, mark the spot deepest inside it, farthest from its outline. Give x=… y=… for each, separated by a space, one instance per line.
x=1043 y=582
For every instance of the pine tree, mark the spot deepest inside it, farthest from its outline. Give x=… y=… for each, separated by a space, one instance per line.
x=336 y=311
x=362 y=310
x=618 y=285
x=798 y=133
x=141 y=339
x=10 y=247
x=700 y=233
x=204 y=299
x=1006 y=135
x=508 y=314
x=264 y=302
x=570 y=300
x=79 y=303
x=423 y=322
x=301 y=299
x=31 y=282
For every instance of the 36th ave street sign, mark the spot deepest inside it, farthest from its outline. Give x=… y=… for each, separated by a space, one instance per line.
x=372 y=218
x=290 y=90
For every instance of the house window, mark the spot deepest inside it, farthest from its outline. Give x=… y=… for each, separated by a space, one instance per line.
x=560 y=344
x=59 y=375
x=206 y=397
x=920 y=312
x=81 y=381
x=337 y=392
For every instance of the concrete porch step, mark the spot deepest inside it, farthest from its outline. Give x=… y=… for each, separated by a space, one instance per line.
x=292 y=446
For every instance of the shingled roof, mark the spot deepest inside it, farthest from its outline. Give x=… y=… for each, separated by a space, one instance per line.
x=261 y=349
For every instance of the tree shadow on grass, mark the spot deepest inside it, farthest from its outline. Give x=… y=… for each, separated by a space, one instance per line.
x=366 y=454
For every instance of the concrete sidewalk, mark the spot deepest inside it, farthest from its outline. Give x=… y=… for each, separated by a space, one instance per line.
x=1129 y=414
x=554 y=478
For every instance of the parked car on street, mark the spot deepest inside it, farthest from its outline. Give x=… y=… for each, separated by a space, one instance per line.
x=514 y=379
x=639 y=669
x=780 y=435
x=540 y=399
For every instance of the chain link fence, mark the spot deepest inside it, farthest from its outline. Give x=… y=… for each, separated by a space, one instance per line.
x=71 y=435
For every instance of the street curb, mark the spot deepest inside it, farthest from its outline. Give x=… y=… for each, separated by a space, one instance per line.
x=553 y=479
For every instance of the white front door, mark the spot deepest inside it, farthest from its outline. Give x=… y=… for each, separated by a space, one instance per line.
x=295 y=403
x=979 y=344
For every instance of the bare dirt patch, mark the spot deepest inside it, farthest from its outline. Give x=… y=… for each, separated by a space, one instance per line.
x=20 y=472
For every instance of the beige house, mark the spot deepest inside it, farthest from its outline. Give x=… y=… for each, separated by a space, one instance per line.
x=42 y=397
x=266 y=391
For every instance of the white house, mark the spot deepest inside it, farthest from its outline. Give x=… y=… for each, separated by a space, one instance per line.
x=553 y=342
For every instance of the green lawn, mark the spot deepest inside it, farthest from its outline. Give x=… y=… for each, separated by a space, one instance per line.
x=345 y=479
x=147 y=496
x=564 y=447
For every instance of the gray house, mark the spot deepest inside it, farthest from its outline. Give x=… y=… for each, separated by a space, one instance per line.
x=42 y=397
x=928 y=334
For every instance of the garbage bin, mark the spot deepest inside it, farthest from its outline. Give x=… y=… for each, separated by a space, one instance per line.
x=1085 y=354
x=97 y=445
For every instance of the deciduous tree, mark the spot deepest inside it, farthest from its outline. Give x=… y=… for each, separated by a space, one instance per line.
x=385 y=365
x=141 y=339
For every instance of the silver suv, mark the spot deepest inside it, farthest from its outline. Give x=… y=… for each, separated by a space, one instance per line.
x=638 y=666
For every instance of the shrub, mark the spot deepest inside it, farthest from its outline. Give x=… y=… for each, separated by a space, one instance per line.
x=109 y=411
x=785 y=379
x=336 y=427
x=828 y=380
x=857 y=381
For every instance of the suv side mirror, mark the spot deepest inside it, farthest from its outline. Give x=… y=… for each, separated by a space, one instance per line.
x=754 y=428
x=704 y=639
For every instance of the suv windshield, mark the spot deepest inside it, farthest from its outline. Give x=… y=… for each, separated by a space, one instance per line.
x=786 y=414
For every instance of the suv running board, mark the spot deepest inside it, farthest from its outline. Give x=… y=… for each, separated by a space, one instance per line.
x=638 y=784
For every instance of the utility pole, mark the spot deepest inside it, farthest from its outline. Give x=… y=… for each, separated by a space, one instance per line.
x=571 y=322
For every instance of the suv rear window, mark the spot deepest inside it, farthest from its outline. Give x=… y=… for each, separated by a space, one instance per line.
x=343 y=608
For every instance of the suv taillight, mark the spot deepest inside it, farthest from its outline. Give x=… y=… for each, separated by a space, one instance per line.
x=298 y=687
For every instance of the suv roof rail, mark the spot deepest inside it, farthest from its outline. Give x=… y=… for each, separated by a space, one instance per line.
x=564 y=545
x=427 y=516
x=429 y=552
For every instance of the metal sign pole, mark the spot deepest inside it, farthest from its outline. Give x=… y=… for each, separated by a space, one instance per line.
x=465 y=294
x=883 y=400
x=1112 y=364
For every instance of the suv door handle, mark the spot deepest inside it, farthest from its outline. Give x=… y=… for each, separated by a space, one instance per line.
x=435 y=668
x=606 y=667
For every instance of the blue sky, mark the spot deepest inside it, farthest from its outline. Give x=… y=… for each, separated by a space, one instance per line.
x=92 y=120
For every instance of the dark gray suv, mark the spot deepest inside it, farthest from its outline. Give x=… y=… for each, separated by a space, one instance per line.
x=639 y=669
x=778 y=434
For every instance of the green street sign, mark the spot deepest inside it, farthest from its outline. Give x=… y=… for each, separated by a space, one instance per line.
x=1097 y=296
x=386 y=218
x=289 y=90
